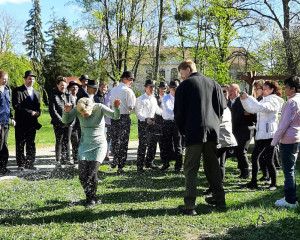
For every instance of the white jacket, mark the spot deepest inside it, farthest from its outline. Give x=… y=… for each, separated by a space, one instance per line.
x=226 y=137
x=267 y=114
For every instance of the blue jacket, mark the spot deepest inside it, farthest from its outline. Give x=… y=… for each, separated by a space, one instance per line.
x=5 y=113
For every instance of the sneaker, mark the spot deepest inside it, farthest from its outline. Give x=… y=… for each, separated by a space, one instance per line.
x=189 y=212
x=272 y=187
x=283 y=203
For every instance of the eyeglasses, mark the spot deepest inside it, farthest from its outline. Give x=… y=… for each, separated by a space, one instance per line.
x=225 y=91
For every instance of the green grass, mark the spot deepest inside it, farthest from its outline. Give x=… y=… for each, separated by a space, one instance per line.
x=45 y=136
x=139 y=206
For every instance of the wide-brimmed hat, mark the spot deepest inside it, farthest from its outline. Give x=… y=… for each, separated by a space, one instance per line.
x=163 y=85
x=174 y=84
x=84 y=77
x=29 y=73
x=71 y=83
x=127 y=74
x=149 y=82
x=92 y=83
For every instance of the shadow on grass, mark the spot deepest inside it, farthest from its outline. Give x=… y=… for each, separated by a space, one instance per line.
x=286 y=228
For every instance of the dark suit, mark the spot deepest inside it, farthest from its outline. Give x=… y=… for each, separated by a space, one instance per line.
x=26 y=124
x=199 y=105
x=243 y=130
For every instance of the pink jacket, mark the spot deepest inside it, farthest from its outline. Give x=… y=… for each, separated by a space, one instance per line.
x=288 y=131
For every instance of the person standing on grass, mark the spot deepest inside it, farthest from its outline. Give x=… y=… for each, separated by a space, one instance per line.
x=121 y=127
x=267 y=111
x=145 y=109
x=82 y=90
x=199 y=106
x=288 y=134
x=27 y=105
x=57 y=101
x=93 y=145
x=5 y=115
x=171 y=147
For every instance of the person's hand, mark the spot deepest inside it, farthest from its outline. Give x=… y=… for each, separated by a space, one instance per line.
x=13 y=123
x=117 y=103
x=149 y=121
x=246 y=113
x=68 y=108
x=244 y=96
x=35 y=114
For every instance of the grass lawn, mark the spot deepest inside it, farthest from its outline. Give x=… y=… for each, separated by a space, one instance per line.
x=139 y=206
x=45 y=135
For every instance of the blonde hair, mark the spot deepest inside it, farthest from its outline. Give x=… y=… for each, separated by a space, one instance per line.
x=187 y=64
x=85 y=104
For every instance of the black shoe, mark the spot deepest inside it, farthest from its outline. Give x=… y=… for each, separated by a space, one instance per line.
x=177 y=171
x=153 y=167
x=212 y=201
x=244 y=176
x=30 y=167
x=90 y=203
x=189 y=212
x=21 y=168
x=251 y=185
x=263 y=178
x=140 y=170
x=120 y=171
x=113 y=165
x=68 y=163
x=164 y=168
x=207 y=191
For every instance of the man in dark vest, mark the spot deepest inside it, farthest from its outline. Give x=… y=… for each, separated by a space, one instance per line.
x=26 y=102
x=199 y=105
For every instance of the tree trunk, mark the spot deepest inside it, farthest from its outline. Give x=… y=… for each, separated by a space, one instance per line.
x=158 y=39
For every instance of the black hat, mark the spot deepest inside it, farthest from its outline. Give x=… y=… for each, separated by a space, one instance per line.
x=84 y=77
x=71 y=83
x=174 y=84
x=29 y=73
x=127 y=74
x=163 y=84
x=149 y=82
x=92 y=83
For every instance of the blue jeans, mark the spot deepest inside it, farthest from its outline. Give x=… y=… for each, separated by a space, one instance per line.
x=288 y=155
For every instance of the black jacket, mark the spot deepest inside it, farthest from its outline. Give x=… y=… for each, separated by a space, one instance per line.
x=240 y=121
x=24 y=107
x=199 y=105
x=81 y=93
x=57 y=103
x=99 y=98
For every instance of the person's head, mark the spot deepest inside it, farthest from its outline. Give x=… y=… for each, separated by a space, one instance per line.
x=116 y=83
x=162 y=88
x=258 y=88
x=292 y=86
x=225 y=89
x=149 y=87
x=173 y=86
x=3 y=77
x=29 y=78
x=92 y=87
x=61 y=83
x=127 y=78
x=234 y=91
x=103 y=88
x=84 y=80
x=73 y=87
x=85 y=107
x=271 y=88
x=186 y=68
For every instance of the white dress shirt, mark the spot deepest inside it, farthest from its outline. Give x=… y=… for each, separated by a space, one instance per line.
x=30 y=91
x=127 y=97
x=146 y=107
x=168 y=107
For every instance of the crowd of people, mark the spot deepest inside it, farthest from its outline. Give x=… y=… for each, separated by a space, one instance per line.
x=197 y=115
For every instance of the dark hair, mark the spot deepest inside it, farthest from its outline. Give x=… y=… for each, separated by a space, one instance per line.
x=293 y=82
x=275 y=86
x=115 y=83
x=60 y=79
x=187 y=64
x=2 y=73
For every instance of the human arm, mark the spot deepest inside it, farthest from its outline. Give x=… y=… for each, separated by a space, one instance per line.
x=114 y=114
x=69 y=114
x=271 y=104
x=168 y=105
x=139 y=109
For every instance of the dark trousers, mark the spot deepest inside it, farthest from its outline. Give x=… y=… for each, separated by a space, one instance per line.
x=171 y=147
x=120 y=139
x=242 y=151
x=146 y=143
x=263 y=152
x=4 y=154
x=108 y=137
x=158 y=132
x=75 y=142
x=211 y=168
x=221 y=154
x=88 y=177
x=25 y=137
x=62 y=136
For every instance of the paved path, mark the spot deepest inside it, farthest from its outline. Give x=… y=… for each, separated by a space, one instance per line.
x=45 y=160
